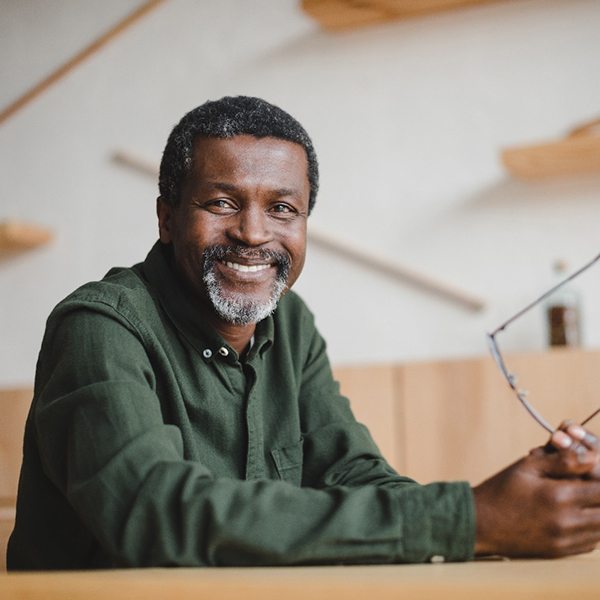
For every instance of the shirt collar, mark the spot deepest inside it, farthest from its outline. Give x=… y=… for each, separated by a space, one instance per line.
x=190 y=318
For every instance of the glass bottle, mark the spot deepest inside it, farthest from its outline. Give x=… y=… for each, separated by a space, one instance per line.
x=563 y=311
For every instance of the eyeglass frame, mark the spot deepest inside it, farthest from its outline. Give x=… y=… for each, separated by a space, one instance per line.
x=511 y=378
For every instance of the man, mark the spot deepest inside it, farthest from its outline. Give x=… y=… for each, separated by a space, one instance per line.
x=185 y=413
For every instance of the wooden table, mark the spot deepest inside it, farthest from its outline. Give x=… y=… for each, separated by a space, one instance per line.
x=576 y=578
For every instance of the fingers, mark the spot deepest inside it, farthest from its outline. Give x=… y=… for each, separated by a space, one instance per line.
x=522 y=512
x=587 y=495
x=586 y=447
x=576 y=452
x=572 y=527
x=579 y=533
x=581 y=435
x=571 y=550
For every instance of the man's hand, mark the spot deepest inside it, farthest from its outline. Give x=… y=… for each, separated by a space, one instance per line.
x=547 y=504
x=576 y=452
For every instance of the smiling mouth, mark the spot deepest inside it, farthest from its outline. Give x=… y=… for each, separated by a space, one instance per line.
x=245 y=268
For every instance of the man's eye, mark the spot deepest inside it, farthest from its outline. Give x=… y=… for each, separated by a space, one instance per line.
x=282 y=208
x=220 y=204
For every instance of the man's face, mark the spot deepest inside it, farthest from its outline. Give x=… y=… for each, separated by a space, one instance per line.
x=239 y=231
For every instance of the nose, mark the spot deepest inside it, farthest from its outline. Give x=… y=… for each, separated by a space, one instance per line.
x=251 y=227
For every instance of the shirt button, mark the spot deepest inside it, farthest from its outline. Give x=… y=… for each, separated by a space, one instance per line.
x=207 y=353
x=223 y=351
x=437 y=558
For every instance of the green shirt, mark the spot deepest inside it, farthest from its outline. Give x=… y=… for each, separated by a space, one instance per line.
x=150 y=442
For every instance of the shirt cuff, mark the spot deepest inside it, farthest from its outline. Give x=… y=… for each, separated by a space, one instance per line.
x=438 y=523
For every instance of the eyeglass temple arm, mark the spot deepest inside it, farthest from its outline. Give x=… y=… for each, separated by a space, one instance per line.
x=534 y=413
x=545 y=295
x=591 y=417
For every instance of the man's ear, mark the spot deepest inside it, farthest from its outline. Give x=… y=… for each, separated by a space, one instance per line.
x=164 y=212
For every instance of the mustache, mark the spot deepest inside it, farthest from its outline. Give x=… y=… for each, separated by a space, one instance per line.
x=219 y=252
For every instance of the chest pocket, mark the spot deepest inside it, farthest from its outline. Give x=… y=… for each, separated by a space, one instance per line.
x=288 y=462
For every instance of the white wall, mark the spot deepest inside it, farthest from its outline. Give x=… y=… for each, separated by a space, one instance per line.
x=408 y=119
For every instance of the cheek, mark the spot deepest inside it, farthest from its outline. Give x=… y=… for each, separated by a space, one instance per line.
x=195 y=234
x=188 y=255
x=297 y=251
x=300 y=258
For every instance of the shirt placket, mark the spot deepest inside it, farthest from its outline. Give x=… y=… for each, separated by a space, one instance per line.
x=255 y=467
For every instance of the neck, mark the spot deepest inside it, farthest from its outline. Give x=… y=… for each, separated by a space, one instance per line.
x=237 y=336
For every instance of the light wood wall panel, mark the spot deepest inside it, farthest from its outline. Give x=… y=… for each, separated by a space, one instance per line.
x=14 y=405
x=373 y=393
x=458 y=419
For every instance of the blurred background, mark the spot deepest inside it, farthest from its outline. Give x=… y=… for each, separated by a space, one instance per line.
x=409 y=118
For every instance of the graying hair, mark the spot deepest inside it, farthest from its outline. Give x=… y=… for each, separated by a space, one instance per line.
x=225 y=118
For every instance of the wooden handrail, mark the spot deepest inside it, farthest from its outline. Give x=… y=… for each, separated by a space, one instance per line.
x=392 y=268
x=68 y=66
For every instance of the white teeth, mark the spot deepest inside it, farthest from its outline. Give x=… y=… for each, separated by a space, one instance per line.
x=245 y=268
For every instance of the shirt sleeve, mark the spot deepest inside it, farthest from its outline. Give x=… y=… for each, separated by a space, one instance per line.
x=105 y=445
x=338 y=450
x=436 y=519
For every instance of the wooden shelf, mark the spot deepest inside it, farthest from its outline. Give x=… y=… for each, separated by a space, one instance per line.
x=577 y=154
x=336 y=15
x=18 y=237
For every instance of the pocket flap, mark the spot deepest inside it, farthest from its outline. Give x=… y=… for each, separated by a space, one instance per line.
x=288 y=461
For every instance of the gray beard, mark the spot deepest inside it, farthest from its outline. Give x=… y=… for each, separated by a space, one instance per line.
x=237 y=308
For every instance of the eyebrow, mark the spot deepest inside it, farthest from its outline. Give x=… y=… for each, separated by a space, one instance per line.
x=230 y=187
x=222 y=185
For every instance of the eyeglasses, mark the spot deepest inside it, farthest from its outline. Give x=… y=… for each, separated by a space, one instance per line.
x=511 y=378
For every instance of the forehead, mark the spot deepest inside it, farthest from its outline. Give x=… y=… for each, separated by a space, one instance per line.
x=245 y=158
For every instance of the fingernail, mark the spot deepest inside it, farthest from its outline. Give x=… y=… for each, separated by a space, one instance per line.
x=576 y=431
x=582 y=455
x=562 y=439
